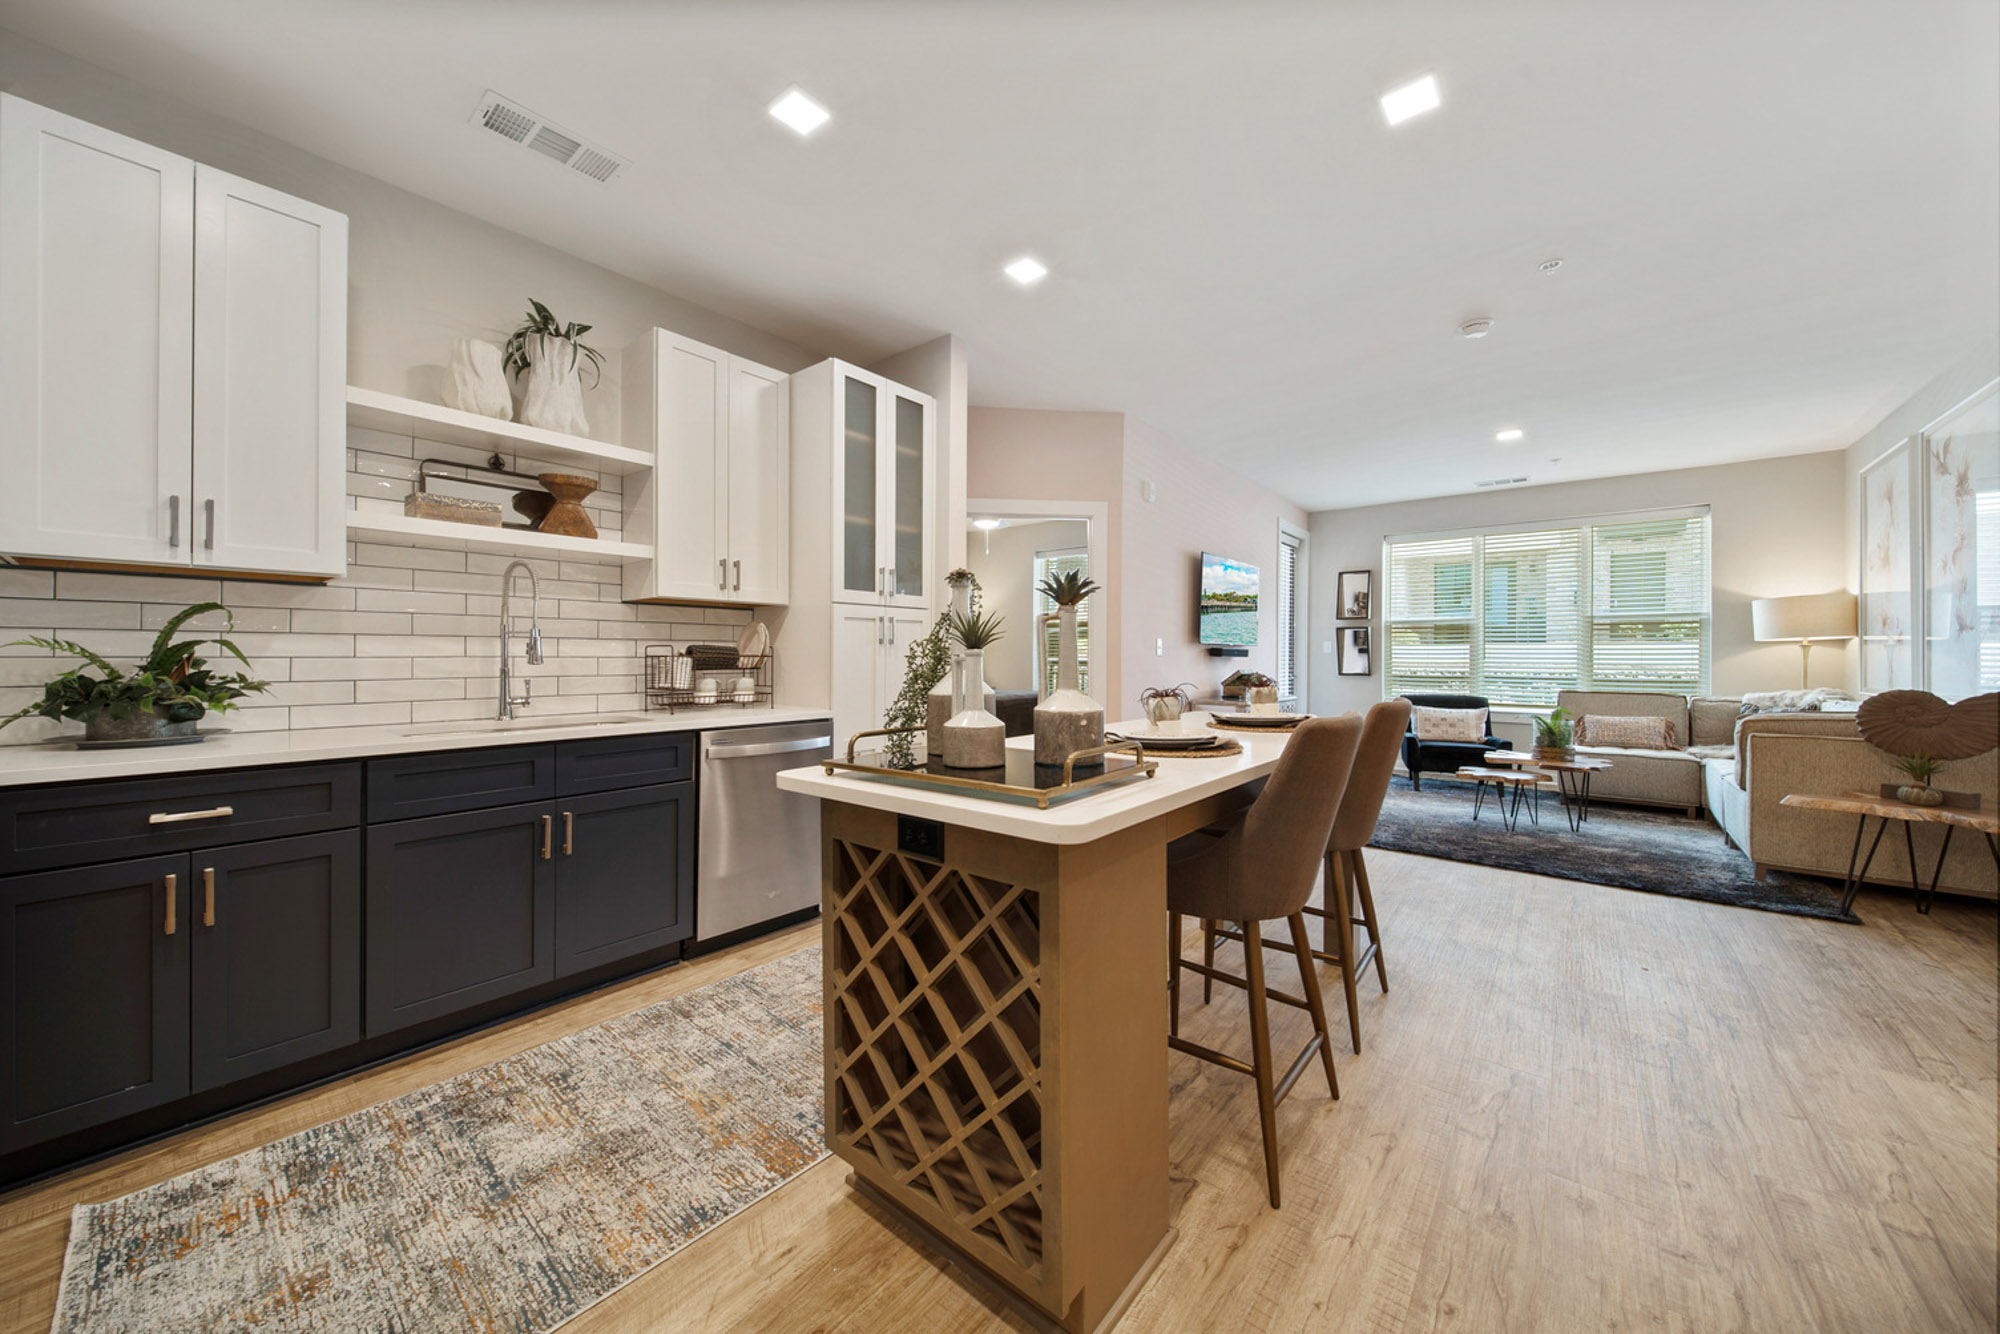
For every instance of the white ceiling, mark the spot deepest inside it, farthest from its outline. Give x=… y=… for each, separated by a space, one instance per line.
x=1779 y=219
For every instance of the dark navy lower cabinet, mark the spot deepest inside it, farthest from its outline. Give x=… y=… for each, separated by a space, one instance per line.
x=94 y=977
x=624 y=875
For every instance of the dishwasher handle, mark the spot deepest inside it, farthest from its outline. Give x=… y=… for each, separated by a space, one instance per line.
x=768 y=748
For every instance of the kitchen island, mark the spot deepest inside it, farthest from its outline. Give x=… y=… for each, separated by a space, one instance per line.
x=996 y=1020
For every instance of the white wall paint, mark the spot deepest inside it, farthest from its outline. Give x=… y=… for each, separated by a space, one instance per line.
x=1775 y=530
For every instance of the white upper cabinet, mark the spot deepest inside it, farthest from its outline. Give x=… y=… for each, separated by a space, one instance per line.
x=716 y=506
x=881 y=440
x=173 y=361
x=270 y=379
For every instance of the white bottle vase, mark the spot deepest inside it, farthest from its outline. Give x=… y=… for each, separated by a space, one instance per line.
x=973 y=737
x=937 y=708
x=552 y=390
x=1068 y=720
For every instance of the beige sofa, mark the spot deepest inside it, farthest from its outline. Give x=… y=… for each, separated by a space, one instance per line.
x=1706 y=724
x=1823 y=753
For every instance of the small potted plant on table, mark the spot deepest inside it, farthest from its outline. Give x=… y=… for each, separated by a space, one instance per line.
x=1555 y=736
x=161 y=701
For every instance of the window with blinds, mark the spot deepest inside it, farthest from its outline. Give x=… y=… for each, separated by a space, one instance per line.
x=1518 y=615
x=1288 y=616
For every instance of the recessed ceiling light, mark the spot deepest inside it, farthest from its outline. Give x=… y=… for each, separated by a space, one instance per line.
x=1550 y=265
x=1412 y=99
x=800 y=113
x=1476 y=328
x=1510 y=435
x=1027 y=270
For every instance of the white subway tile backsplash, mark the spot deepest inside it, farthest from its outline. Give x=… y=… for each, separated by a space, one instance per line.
x=91 y=586
x=350 y=715
x=449 y=710
x=378 y=576
x=403 y=599
x=410 y=558
x=43 y=615
x=370 y=692
x=408 y=646
x=351 y=622
x=348 y=669
x=240 y=593
x=239 y=620
x=27 y=583
x=295 y=645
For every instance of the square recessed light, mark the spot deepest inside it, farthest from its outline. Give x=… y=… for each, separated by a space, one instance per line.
x=1027 y=270
x=1510 y=435
x=800 y=113
x=1412 y=99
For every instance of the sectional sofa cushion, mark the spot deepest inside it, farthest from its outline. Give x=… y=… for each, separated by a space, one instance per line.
x=1596 y=729
x=1466 y=725
x=1712 y=720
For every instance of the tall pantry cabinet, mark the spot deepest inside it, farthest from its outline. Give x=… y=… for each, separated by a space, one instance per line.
x=864 y=470
x=173 y=360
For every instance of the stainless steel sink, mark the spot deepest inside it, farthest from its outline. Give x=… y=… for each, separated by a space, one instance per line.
x=499 y=727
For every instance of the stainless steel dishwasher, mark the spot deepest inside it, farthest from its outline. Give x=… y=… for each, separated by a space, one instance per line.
x=757 y=857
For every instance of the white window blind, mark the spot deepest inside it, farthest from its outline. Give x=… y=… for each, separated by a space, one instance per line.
x=1518 y=615
x=1288 y=616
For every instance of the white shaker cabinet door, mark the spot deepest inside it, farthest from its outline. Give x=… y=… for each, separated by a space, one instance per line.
x=270 y=375
x=758 y=484
x=96 y=287
x=860 y=641
x=691 y=403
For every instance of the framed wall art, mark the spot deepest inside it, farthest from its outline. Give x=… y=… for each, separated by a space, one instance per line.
x=1354 y=602
x=1354 y=656
x=1887 y=660
x=1961 y=469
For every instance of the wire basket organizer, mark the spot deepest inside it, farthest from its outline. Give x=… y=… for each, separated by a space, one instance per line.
x=680 y=676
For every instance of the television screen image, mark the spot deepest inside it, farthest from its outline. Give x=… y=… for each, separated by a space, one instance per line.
x=1228 y=602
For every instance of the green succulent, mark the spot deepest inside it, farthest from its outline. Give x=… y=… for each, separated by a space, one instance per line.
x=173 y=681
x=1557 y=730
x=540 y=322
x=974 y=630
x=1067 y=589
x=1921 y=767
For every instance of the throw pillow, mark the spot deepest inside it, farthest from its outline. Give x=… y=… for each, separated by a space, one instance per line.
x=1599 y=729
x=1468 y=725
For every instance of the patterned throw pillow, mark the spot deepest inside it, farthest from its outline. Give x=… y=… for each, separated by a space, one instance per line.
x=1467 y=725
x=1598 y=729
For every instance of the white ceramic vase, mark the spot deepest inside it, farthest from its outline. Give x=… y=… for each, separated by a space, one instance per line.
x=1068 y=720
x=477 y=380
x=552 y=390
x=938 y=706
x=973 y=737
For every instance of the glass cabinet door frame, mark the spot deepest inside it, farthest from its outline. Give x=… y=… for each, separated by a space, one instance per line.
x=887 y=394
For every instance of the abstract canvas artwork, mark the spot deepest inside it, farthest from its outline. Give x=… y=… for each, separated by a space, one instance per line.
x=1886 y=657
x=1962 y=549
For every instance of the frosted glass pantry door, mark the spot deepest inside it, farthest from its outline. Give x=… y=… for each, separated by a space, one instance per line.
x=907 y=500
x=863 y=570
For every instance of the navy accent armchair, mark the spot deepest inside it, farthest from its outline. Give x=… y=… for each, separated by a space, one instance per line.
x=1446 y=757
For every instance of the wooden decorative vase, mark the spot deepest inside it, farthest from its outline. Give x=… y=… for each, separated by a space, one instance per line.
x=566 y=517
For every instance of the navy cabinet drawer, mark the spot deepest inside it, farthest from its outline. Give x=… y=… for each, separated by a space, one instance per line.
x=604 y=764
x=411 y=786
x=73 y=823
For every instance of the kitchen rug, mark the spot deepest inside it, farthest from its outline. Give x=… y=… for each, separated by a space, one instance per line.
x=508 y=1198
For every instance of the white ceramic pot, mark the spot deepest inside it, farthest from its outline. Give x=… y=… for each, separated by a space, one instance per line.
x=973 y=737
x=477 y=380
x=552 y=390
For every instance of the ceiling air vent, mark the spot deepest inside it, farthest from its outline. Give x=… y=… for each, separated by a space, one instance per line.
x=511 y=120
x=1501 y=481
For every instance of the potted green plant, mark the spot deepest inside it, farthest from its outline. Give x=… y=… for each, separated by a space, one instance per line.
x=162 y=699
x=1164 y=704
x=1555 y=735
x=1920 y=768
x=549 y=356
x=973 y=737
x=1068 y=720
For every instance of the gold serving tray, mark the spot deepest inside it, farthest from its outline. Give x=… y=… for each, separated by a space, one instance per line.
x=1020 y=779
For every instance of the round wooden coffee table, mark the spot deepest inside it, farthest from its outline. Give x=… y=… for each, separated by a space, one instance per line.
x=1518 y=780
x=1572 y=778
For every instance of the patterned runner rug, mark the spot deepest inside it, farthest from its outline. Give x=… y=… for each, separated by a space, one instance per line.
x=509 y=1198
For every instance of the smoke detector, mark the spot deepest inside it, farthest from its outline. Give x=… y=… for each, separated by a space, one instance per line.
x=512 y=121
x=1478 y=328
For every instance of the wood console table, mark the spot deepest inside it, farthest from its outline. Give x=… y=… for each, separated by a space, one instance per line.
x=996 y=1019
x=1862 y=805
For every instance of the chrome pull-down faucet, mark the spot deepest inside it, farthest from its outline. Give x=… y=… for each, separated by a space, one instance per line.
x=533 y=653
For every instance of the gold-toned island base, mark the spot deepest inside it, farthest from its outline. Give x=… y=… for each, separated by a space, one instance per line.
x=996 y=1048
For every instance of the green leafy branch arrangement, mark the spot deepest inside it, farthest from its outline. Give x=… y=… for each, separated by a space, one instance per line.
x=924 y=665
x=1556 y=731
x=1066 y=589
x=173 y=680
x=539 y=322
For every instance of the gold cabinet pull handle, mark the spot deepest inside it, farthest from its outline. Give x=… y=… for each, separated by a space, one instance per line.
x=173 y=883
x=569 y=834
x=176 y=817
x=548 y=833
x=208 y=896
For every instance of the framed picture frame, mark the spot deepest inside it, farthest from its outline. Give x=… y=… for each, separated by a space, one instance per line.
x=1887 y=610
x=1354 y=601
x=1355 y=659
x=1961 y=470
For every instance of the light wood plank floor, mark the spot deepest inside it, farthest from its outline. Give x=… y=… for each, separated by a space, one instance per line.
x=1579 y=1108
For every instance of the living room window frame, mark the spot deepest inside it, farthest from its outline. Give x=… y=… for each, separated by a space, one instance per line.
x=1588 y=619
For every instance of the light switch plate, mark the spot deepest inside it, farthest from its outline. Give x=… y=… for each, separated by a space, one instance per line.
x=1326 y=646
x=1159 y=648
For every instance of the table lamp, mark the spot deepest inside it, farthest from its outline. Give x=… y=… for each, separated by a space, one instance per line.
x=1804 y=618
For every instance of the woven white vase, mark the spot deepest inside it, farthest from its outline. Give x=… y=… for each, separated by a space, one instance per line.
x=477 y=380
x=552 y=390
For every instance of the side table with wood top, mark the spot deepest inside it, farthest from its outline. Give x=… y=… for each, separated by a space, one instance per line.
x=1863 y=805
x=1572 y=778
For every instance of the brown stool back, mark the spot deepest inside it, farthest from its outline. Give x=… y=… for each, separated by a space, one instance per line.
x=1261 y=868
x=1346 y=873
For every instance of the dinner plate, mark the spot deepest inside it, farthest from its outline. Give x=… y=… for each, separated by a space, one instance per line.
x=1259 y=719
x=1167 y=740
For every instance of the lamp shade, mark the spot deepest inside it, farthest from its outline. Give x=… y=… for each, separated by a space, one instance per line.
x=1811 y=616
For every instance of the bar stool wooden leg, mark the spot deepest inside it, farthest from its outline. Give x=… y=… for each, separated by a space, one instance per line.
x=1368 y=918
x=1260 y=1048
x=1340 y=937
x=1207 y=957
x=1308 y=975
x=1174 y=973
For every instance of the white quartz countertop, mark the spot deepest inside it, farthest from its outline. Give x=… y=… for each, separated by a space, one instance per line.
x=62 y=762
x=1178 y=781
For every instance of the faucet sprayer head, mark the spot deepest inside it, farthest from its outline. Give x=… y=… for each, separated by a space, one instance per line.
x=534 y=650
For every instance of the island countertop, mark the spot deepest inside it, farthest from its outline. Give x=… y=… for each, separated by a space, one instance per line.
x=1178 y=781
x=59 y=762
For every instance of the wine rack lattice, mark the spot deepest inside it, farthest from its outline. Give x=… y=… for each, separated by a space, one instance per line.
x=936 y=1021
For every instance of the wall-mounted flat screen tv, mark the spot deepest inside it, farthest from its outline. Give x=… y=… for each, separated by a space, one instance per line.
x=1228 y=602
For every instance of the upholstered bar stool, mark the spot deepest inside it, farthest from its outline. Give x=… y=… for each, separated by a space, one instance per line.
x=1346 y=873
x=1257 y=869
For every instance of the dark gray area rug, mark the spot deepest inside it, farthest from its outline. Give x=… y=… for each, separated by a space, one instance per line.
x=1630 y=847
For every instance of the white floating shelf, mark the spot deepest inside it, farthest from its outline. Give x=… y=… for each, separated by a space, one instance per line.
x=411 y=417
x=473 y=537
